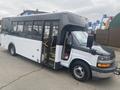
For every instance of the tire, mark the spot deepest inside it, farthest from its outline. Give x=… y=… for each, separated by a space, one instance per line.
x=12 y=50
x=81 y=71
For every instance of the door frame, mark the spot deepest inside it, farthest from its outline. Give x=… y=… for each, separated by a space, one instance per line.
x=49 y=39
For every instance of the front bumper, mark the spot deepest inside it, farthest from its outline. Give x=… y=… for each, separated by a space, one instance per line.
x=103 y=73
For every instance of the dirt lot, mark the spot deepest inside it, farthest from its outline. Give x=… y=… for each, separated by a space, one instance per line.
x=18 y=73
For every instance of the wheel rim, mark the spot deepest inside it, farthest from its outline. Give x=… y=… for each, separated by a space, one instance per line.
x=79 y=72
x=12 y=51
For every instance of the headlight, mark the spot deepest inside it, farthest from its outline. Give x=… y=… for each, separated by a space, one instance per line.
x=104 y=62
x=104 y=58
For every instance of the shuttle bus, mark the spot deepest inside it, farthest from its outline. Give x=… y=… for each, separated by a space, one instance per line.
x=58 y=40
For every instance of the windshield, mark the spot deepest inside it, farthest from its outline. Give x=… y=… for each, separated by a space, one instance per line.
x=81 y=37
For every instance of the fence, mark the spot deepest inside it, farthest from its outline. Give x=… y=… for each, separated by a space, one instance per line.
x=109 y=37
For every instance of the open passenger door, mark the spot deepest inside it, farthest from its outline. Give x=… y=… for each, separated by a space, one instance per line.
x=49 y=43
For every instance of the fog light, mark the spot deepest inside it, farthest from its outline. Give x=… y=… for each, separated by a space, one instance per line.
x=101 y=65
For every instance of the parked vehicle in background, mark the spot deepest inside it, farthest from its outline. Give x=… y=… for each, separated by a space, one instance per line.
x=58 y=40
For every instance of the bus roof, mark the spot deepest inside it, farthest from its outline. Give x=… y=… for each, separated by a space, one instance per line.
x=66 y=18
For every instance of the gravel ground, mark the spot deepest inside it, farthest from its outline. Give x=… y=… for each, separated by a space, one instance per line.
x=18 y=73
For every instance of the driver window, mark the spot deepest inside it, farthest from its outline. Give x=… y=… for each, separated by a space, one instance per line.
x=69 y=40
x=67 y=46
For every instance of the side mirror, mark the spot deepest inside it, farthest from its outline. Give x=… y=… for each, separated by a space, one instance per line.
x=90 y=41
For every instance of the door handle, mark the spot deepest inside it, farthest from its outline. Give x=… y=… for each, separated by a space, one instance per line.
x=37 y=49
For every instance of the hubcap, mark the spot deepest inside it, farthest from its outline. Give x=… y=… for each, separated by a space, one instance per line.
x=79 y=72
x=12 y=51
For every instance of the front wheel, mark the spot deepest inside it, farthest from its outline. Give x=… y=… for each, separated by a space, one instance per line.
x=81 y=71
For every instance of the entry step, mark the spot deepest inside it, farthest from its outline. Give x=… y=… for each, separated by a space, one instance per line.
x=48 y=63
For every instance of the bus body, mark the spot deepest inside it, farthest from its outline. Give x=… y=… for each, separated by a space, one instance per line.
x=57 y=40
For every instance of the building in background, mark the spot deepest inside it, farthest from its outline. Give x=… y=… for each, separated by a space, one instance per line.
x=105 y=22
x=31 y=12
x=101 y=24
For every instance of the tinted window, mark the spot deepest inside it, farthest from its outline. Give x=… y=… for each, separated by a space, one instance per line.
x=47 y=30
x=34 y=29
x=37 y=27
x=28 y=26
x=55 y=28
x=14 y=26
x=20 y=26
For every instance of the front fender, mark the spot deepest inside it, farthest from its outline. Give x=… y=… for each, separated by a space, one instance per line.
x=82 y=55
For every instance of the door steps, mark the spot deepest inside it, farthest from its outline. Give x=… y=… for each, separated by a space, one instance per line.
x=48 y=63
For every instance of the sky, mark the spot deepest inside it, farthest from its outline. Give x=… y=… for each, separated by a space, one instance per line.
x=92 y=9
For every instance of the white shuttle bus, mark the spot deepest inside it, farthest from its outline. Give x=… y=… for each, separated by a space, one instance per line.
x=58 y=40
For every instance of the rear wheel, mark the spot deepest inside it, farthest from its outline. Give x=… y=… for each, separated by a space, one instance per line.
x=80 y=71
x=12 y=50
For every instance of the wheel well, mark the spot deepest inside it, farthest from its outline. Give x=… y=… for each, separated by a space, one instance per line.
x=75 y=60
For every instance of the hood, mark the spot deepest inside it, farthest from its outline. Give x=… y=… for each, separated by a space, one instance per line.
x=104 y=50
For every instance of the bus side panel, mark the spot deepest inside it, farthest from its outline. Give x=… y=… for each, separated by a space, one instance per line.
x=58 y=53
x=4 y=40
x=28 y=48
x=0 y=39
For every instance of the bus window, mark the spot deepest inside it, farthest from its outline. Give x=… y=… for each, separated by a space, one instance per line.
x=47 y=30
x=67 y=46
x=27 y=31
x=28 y=26
x=37 y=30
x=55 y=30
x=20 y=27
x=37 y=27
x=14 y=26
x=55 y=33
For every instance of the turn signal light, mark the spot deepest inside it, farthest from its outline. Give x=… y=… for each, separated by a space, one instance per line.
x=101 y=65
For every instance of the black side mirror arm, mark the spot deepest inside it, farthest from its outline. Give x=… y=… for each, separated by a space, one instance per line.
x=93 y=52
x=90 y=41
